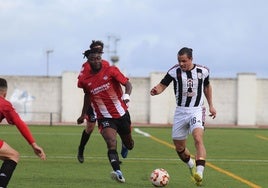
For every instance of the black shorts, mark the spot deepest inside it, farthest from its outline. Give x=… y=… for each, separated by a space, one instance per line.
x=91 y=115
x=122 y=125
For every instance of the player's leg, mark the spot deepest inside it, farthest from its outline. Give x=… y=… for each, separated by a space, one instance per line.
x=127 y=144
x=200 y=154
x=84 y=140
x=124 y=130
x=91 y=122
x=197 y=130
x=10 y=159
x=184 y=154
x=109 y=133
x=179 y=135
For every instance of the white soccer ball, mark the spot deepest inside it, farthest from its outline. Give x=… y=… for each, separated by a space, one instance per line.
x=159 y=177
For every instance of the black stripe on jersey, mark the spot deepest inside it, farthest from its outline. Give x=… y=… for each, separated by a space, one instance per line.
x=199 y=89
x=190 y=90
x=178 y=72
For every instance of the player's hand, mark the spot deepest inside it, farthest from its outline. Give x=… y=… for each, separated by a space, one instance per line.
x=39 y=151
x=153 y=91
x=126 y=99
x=80 y=120
x=213 y=112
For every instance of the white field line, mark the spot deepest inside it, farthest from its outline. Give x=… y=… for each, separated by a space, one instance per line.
x=148 y=159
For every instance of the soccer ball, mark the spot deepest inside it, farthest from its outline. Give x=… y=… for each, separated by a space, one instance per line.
x=159 y=177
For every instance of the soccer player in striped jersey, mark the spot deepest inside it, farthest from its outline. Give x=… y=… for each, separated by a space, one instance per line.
x=191 y=85
x=103 y=86
x=8 y=155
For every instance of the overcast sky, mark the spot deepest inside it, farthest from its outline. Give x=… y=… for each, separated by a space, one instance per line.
x=228 y=36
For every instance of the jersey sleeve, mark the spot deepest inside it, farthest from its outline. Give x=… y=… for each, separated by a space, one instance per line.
x=166 y=80
x=206 y=81
x=118 y=75
x=13 y=118
x=83 y=71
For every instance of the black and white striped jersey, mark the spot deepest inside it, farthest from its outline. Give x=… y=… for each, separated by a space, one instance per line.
x=189 y=85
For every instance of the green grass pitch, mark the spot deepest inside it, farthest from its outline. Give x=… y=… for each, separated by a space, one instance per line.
x=236 y=158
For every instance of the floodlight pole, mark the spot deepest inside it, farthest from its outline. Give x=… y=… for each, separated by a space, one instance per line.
x=114 y=57
x=48 y=52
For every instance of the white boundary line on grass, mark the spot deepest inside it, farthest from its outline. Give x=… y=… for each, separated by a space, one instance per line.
x=145 y=159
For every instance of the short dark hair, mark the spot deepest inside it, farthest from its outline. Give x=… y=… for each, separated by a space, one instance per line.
x=187 y=51
x=3 y=83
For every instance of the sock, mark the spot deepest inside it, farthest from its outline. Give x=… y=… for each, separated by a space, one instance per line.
x=84 y=139
x=114 y=159
x=190 y=163
x=200 y=166
x=6 y=171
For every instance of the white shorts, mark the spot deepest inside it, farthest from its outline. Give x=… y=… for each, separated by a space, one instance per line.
x=186 y=119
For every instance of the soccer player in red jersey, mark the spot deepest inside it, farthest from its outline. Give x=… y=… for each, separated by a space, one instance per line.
x=103 y=85
x=87 y=110
x=191 y=86
x=9 y=155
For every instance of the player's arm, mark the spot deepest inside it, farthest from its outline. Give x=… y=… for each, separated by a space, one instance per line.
x=208 y=95
x=15 y=119
x=159 y=88
x=84 y=109
x=122 y=79
x=128 y=90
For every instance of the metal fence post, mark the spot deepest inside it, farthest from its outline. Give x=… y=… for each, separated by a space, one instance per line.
x=50 y=118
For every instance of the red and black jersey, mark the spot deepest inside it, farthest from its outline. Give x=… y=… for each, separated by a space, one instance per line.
x=105 y=92
x=8 y=112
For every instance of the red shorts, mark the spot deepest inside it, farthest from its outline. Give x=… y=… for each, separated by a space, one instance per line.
x=1 y=143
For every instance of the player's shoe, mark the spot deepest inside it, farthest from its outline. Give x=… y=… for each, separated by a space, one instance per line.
x=198 y=179
x=124 y=151
x=118 y=176
x=193 y=170
x=80 y=155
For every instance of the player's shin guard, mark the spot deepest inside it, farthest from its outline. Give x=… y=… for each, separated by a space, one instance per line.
x=114 y=159
x=6 y=172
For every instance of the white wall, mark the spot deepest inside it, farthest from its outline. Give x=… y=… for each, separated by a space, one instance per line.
x=242 y=100
x=72 y=97
x=162 y=106
x=246 y=99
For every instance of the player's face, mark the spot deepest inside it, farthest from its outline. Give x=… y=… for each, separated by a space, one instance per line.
x=95 y=61
x=185 y=63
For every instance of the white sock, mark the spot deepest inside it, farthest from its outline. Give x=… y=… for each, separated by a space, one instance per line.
x=190 y=163
x=200 y=170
